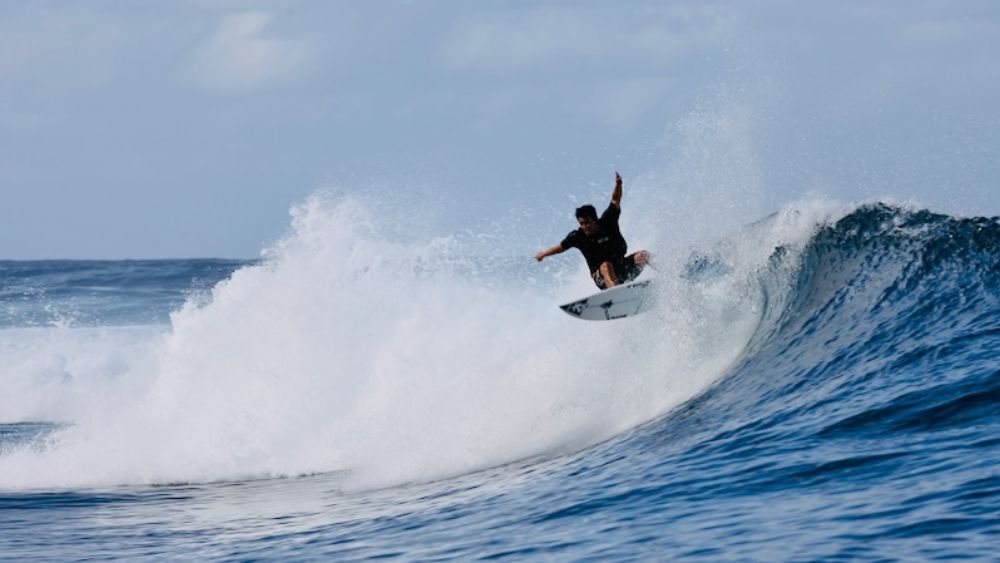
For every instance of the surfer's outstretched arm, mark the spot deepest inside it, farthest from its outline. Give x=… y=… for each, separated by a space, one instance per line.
x=549 y=252
x=616 y=194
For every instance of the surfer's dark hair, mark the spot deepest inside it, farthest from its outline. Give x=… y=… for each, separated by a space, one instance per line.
x=586 y=212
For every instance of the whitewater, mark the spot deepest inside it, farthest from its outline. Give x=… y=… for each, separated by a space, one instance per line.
x=821 y=383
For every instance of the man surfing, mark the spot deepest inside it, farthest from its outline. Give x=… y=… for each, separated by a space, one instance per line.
x=602 y=244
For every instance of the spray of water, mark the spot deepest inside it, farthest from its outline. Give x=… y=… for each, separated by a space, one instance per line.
x=350 y=349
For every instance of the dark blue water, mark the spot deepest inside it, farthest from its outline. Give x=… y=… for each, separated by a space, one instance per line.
x=83 y=292
x=862 y=421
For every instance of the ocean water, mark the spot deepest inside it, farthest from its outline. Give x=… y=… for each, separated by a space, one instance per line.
x=823 y=384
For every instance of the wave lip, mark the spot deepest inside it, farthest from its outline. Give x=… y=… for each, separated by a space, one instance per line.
x=882 y=297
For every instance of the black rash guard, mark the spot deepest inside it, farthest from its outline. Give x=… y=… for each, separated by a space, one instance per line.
x=606 y=245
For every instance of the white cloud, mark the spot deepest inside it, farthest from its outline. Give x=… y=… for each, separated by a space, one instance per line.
x=239 y=57
x=595 y=60
x=570 y=37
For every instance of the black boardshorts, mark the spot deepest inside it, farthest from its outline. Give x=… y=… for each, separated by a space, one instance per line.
x=626 y=270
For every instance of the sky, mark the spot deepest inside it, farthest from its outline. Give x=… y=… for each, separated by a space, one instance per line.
x=189 y=128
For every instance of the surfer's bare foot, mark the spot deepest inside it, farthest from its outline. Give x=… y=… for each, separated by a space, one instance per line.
x=608 y=274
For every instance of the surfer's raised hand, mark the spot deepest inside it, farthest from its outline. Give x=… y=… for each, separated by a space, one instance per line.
x=616 y=195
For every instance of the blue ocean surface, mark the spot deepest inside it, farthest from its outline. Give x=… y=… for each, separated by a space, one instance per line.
x=821 y=389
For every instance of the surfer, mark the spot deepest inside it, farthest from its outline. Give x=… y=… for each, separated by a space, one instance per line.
x=602 y=244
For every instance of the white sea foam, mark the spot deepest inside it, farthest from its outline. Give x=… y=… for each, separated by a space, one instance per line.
x=352 y=349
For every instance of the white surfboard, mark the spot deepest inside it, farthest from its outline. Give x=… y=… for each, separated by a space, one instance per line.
x=618 y=302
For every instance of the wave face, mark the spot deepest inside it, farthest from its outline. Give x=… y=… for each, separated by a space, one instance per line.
x=866 y=408
x=823 y=384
